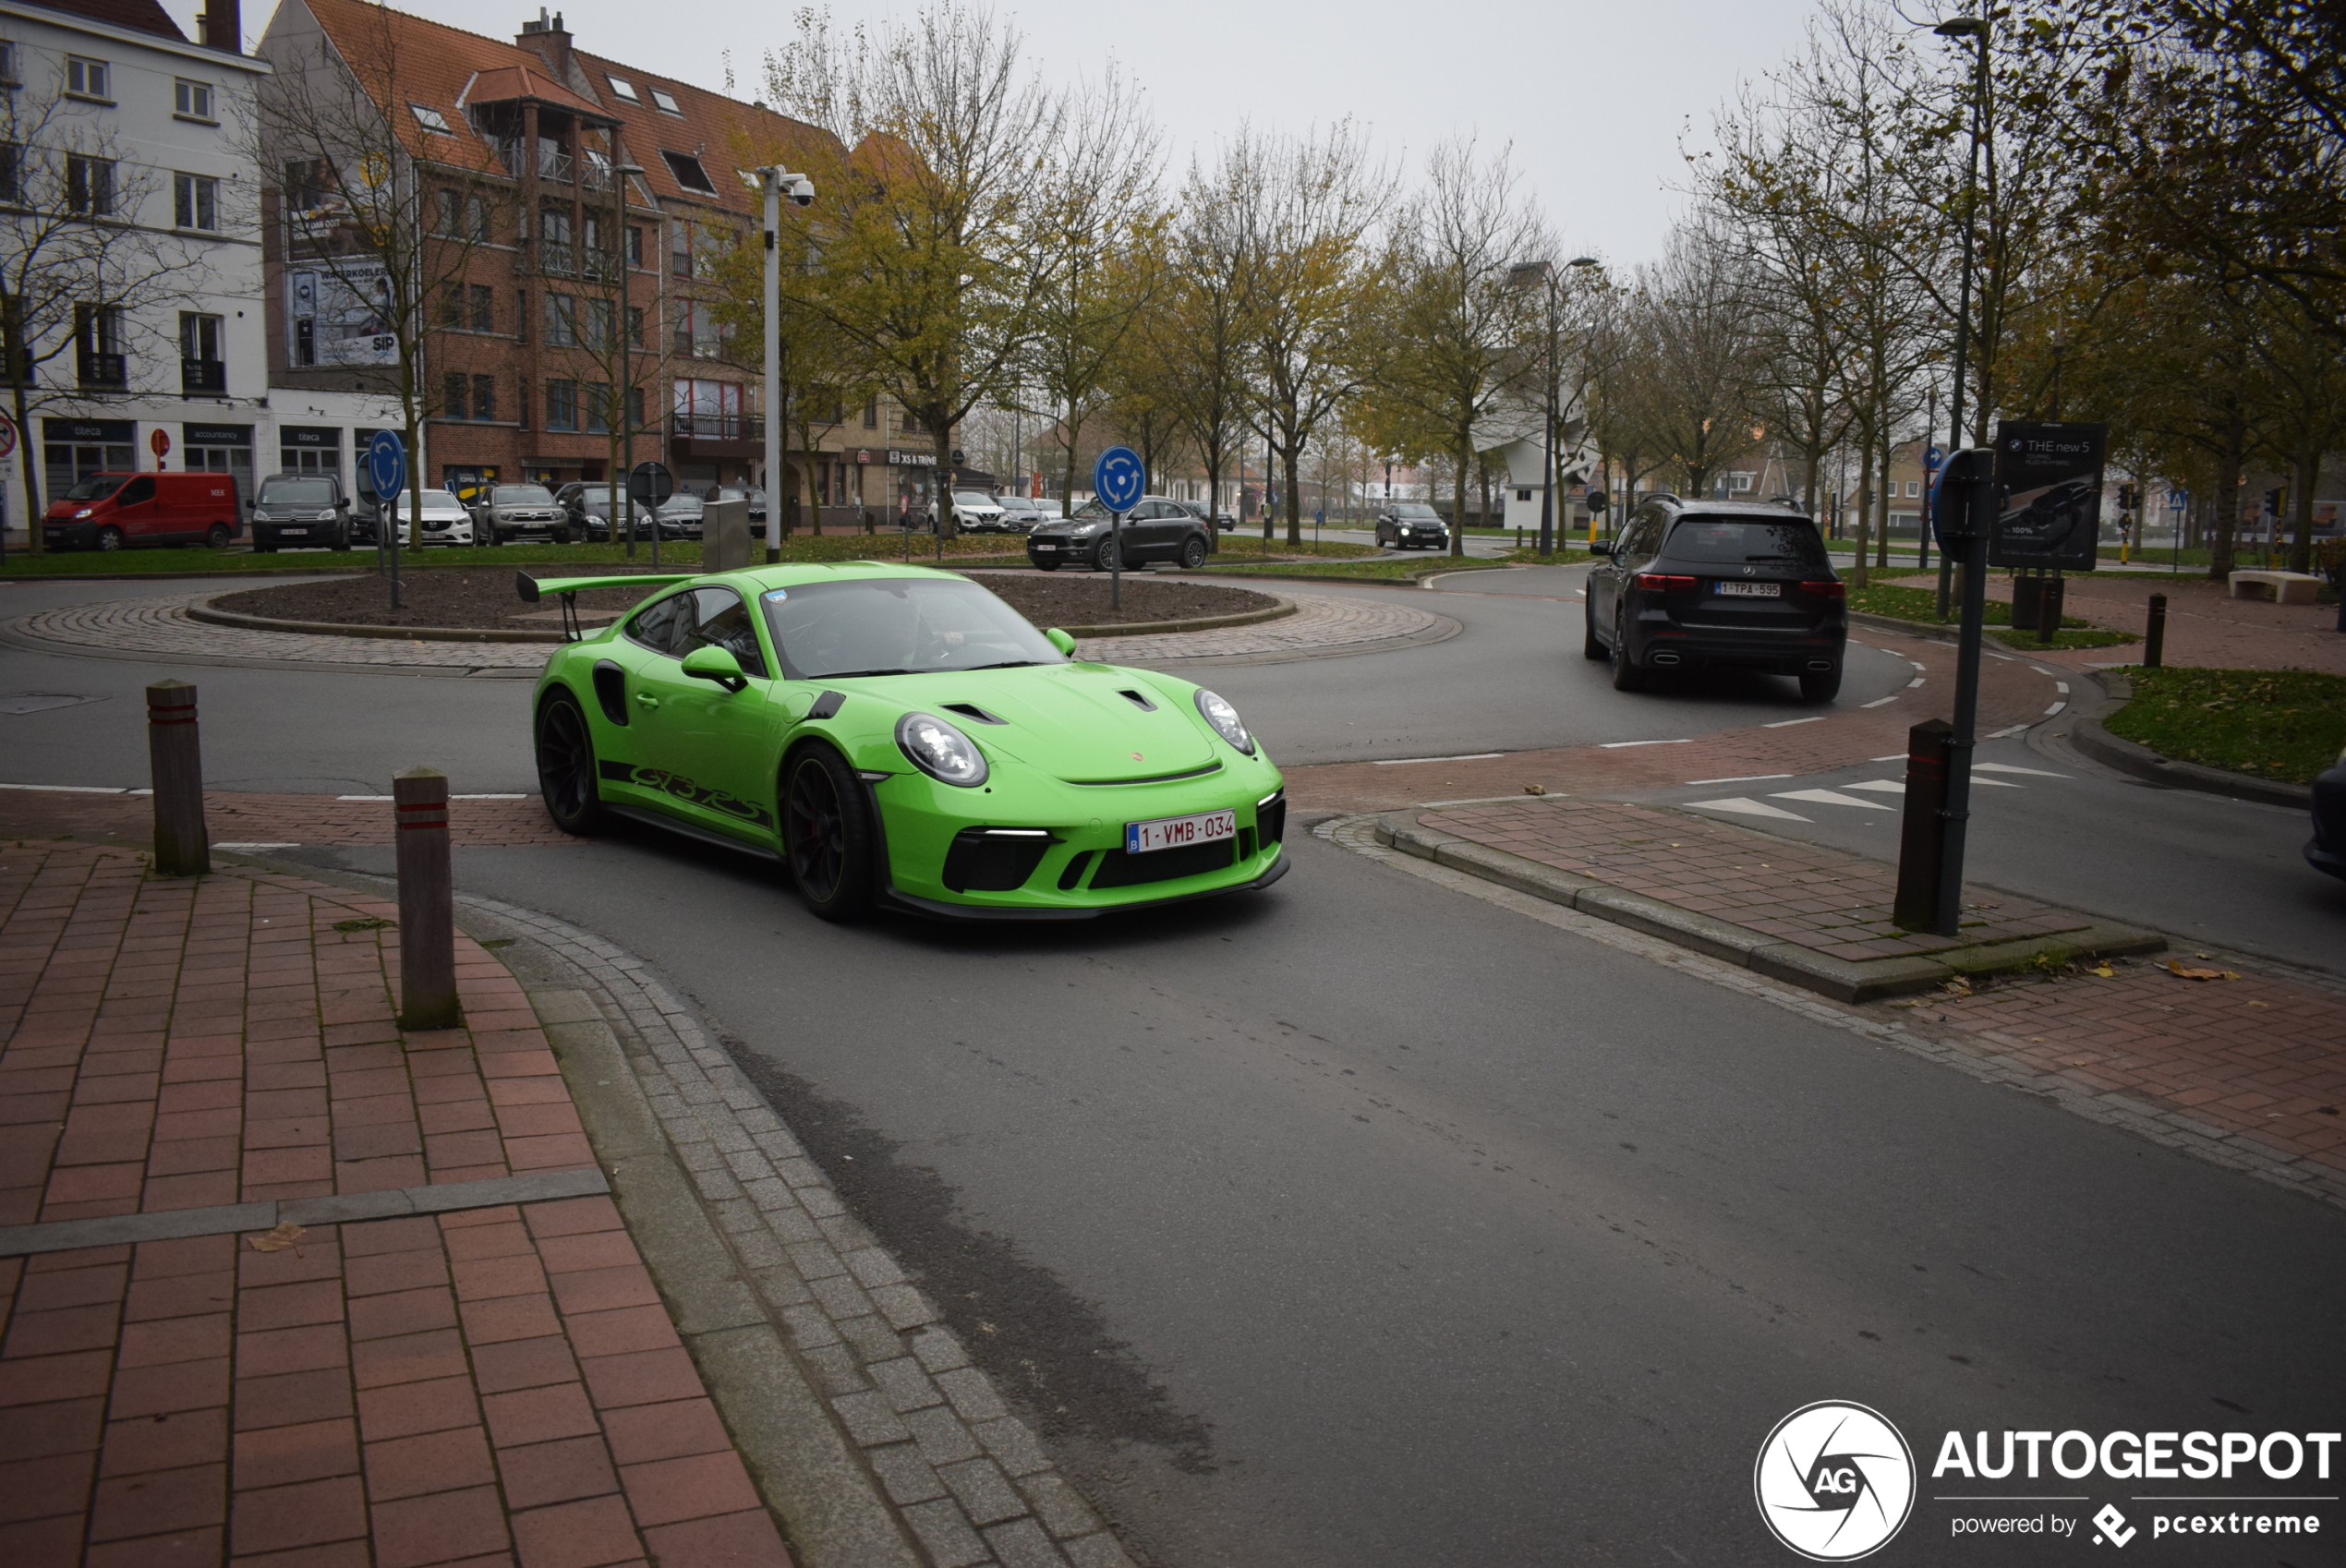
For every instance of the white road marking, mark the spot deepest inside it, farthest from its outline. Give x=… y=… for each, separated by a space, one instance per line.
x=1404 y=762
x=1743 y=778
x=2008 y=729
x=256 y=846
x=2007 y=767
x=1826 y=797
x=70 y=789
x=363 y=797
x=2061 y=686
x=1880 y=701
x=488 y=797
x=1913 y=683
x=1748 y=807
x=1617 y=746
x=1894 y=757
x=2055 y=708
x=1788 y=723
x=1879 y=786
x=2006 y=657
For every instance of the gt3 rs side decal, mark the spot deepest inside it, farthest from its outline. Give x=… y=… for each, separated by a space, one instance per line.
x=677 y=787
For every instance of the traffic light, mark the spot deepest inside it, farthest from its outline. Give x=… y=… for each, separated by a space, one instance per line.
x=2126 y=500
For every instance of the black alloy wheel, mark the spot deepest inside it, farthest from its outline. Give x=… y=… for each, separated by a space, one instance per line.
x=566 y=768
x=109 y=538
x=1192 y=553
x=1627 y=676
x=827 y=834
x=1820 y=685
x=1104 y=555
x=216 y=537
x=1591 y=646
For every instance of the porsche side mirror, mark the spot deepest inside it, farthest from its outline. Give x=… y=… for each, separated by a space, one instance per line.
x=1600 y=547
x=1061 y=641
x=711 y=663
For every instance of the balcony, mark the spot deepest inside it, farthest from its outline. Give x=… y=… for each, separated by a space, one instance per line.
x=553 y=163
x=558 y=257
x=717 y=426
x=201 y=378
x=103 y=371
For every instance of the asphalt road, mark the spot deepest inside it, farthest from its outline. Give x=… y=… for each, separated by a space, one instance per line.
x=1364 y=1223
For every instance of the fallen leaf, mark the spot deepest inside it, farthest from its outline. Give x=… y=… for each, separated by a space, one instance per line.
x=1535 y=789
x=2175 y=967
x=2105 y=972
x=276 y=1240
x=2260 y=1004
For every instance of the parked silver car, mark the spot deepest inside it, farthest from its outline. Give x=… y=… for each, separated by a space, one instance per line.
x=520 y=512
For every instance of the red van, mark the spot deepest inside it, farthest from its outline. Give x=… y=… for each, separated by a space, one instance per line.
x=117 y=511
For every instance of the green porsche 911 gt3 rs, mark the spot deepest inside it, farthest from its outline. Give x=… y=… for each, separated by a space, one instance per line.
x=900 y=737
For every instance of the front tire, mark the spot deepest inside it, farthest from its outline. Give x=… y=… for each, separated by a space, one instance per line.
x=216 y=537
x=109 y=540
x=1627 y=676
x=827 y=834
x=1820 y=686
x=342 y=538
x=1591 y=646
x=1193 y=553
x=566 y=769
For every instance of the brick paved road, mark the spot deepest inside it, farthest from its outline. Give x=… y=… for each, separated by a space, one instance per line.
x=2205 y=626
x=243 y=817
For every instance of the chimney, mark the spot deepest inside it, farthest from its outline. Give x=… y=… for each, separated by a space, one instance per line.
x=221 y=27
x=550 y=41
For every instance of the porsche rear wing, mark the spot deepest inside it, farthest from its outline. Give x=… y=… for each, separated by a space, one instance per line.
x=532 y=589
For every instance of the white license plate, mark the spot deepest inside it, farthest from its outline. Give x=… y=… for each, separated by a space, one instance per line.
x=1177 y=832
x=1044 y=544
x=1752 y=590
x=295 y=533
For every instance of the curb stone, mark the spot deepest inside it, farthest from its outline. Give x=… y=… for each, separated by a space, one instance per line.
x=857 y=1411
x=1840 y=978
x=2157 y=1124
x=2137 y=761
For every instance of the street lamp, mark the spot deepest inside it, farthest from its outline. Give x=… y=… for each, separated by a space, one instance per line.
x=620 y=418
x=774 y=180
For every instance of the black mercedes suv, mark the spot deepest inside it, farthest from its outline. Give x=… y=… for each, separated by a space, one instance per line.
x=1714 y=583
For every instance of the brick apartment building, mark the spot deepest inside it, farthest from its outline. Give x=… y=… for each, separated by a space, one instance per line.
x=590 y=197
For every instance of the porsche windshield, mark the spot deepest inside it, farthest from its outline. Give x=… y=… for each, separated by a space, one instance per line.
x=898 y=626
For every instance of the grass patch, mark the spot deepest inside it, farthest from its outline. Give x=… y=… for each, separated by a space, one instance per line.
x=1250 y=547
x=1922 y=605
x=1387 y=571
x=2284 y=724
x=887 y=546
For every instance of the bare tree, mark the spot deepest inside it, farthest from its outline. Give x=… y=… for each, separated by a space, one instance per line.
x=1701 y=317
x=1196 y=334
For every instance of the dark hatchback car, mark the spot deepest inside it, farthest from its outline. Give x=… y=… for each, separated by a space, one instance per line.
x=2327 y=849
x=1156 y=529
x=1718 y=585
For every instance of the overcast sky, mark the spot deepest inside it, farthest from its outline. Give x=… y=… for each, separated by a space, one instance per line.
x=1595 y=97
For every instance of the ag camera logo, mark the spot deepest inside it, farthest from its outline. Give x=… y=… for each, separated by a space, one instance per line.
x=1835 y=1481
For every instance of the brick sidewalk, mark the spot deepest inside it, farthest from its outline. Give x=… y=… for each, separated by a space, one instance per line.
x=494 y=1383
x=2257 y=1057
x=2206 y=627
x=245 y=817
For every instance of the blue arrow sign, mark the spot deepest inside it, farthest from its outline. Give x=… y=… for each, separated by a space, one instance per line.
x=387 y=463
x=1118 y=479
x=1932 y=457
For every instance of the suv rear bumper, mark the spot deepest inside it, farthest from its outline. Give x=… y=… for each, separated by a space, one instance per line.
x=1667 y=646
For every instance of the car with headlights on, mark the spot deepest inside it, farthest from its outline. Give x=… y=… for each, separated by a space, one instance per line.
x=899 y=738
x=1411 y=524
x=1157 y=528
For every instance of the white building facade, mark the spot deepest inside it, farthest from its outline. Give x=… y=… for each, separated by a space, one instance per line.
x=130 y=232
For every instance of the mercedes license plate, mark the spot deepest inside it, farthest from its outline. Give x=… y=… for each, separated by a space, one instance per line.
x=1752 y=590
x=1177 y=832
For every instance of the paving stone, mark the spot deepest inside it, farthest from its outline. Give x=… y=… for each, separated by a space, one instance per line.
x=945 y=1535
x=907 y=1387
x=907 y=1476
x=986 y=1496
x=1022 y=1544
x=1057 y=1504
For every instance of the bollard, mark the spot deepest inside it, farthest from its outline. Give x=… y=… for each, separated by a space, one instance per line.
x=2027 y=601
x=2049 y=608
x=427 y=901
x=1922 y=834
x=2155 y=637
x=175 y=767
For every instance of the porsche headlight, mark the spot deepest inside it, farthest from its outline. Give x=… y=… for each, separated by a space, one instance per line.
x=941 y=750
x=1225 y=719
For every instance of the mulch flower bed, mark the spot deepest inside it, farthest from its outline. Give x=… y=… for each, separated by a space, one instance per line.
x=485 y=600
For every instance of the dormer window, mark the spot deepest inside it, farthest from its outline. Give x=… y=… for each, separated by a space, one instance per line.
x=431 y=118
x=689 y=171
x=667 y=105
x=623 y=90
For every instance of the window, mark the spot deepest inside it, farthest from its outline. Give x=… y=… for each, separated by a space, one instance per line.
x=200 y=367
x=623 y=90
x=431 y=118
x=521 y=315
x=598 y=326
x=11 y=172
x=90 y=186
x=484 y=309
x=1913 y=488
x=561 y=321
x=599 y=407
x=86 y=77
x=665 y=103
x=451 y=304
x=8 y=61
x=636 y=325
x=453 y=392
x=688 y=173
x=452 y=206
x=871 y=418
x=97 y=331
x=634 y=408
x=634 y=245
x=484 y=397
x=553 y=234
x=464 y=217
x=195 y=202
x=521 y=403
x=191 y=99
x=477 y=218
x=561 y=406
x=719 y=620
x=680 y=248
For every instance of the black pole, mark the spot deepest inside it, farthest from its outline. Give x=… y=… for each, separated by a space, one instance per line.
x=1963 y=308
x=1981 y=502
x=2155 y=636
x=1923 y=830
x=1116 y=560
